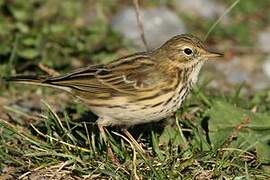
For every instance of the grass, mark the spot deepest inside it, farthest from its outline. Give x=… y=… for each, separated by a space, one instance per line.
x=216 y=135
x=59 y=140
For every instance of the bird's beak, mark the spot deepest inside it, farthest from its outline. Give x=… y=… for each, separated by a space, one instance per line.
x=212 y=55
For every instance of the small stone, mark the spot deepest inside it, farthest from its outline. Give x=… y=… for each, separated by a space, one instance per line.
x=233 y=71
x=263 y=41
x=160 y=24
x=237 y=77
x=242 y=69
x=266 y=67
x=207 y=9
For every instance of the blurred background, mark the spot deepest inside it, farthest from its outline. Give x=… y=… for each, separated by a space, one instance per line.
x=229 y=108
x=64 y=35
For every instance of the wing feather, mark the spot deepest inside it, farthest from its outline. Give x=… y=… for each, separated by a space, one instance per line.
x=125 y=76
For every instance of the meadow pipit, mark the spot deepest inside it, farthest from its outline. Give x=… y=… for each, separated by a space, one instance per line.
x=140 y=88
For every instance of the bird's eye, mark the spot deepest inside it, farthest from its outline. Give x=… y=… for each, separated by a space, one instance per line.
x=188 y=51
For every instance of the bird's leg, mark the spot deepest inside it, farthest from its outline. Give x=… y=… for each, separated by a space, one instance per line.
x=170 y=121
x=102 y=135
x=102 y=123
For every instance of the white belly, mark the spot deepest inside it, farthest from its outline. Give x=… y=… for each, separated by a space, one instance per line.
x=132 y=114
x=136 y=113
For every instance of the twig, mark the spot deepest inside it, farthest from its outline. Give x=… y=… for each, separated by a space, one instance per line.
x=48 y=70
x=60 y=141
x=139 y=22
x=133 y=140
x=59 y=169
x=220 y=18
x=134 y=154
x=236 y=131
x=24 y=175
x=13 y=55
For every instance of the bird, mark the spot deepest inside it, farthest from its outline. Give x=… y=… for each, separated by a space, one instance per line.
x=139 y=88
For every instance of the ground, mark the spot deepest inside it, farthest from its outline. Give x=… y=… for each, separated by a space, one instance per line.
x=221 y=132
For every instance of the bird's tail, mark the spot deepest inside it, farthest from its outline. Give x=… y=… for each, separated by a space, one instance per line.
x=35 y=80
x=26 y=79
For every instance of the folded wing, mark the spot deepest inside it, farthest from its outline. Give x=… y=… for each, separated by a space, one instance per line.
x=125 y=77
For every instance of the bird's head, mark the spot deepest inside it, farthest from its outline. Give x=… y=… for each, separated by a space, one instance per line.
x=186 y=50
